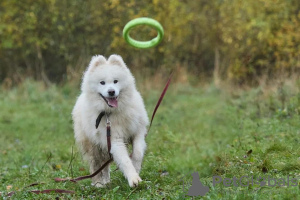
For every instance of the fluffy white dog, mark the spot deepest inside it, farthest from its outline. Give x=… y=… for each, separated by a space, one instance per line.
x=108 y=86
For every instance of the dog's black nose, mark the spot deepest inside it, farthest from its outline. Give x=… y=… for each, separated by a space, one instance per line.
x=111 y=92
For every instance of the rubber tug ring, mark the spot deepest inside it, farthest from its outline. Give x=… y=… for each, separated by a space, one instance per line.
x=143 y=21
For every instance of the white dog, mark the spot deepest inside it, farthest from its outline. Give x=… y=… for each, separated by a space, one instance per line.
x=109 y=86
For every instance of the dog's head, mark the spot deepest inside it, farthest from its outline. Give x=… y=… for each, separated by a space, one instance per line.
x=108 y=78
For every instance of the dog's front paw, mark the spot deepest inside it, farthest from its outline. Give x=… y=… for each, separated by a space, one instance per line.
x=134 y=180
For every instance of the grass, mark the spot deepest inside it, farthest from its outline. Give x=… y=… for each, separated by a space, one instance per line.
x=205 y=130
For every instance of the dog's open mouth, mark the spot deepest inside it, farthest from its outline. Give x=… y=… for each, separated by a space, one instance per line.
x=111 y=101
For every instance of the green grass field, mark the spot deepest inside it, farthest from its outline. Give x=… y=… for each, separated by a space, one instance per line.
x=204 y=130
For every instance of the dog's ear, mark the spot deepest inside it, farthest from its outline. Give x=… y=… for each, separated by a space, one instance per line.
x=97 y=60
x=116 y=60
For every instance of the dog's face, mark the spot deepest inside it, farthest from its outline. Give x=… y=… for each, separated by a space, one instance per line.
x=108 y=78
x=110 y=83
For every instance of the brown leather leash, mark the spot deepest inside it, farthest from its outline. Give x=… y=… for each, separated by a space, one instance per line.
x=160 y=100
x=108 y=135
x=108 y=148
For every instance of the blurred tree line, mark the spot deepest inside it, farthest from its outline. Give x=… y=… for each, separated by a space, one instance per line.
x=240 y=40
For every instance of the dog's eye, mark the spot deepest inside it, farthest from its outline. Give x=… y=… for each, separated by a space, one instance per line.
x=102 y=83
x=115 y=81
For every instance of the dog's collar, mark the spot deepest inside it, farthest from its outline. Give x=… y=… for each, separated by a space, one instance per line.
x=98 y=120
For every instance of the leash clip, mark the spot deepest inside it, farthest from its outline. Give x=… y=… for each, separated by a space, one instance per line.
x=107 y=120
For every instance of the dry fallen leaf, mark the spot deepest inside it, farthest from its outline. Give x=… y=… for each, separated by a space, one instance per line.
x=249 y=152
x=56 y=167
x=218 y=158
x=264 y=169
x=81 y=169
x=8 y=187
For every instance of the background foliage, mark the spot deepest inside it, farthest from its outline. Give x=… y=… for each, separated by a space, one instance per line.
x=239 y=40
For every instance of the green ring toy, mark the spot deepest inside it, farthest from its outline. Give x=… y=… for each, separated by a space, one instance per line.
x=143 y=21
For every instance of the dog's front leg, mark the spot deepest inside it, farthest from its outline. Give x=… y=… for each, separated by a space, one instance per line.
x=96 y=158
x=99 y=157
x=139 y=147
x=121 y=157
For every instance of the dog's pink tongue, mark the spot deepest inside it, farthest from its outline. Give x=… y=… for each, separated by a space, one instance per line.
x=113 y=102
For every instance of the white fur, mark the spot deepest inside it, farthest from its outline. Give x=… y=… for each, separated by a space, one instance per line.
x=128 y=121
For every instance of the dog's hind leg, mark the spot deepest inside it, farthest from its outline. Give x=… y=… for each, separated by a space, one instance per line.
x=138 y=150
x=96 y=158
